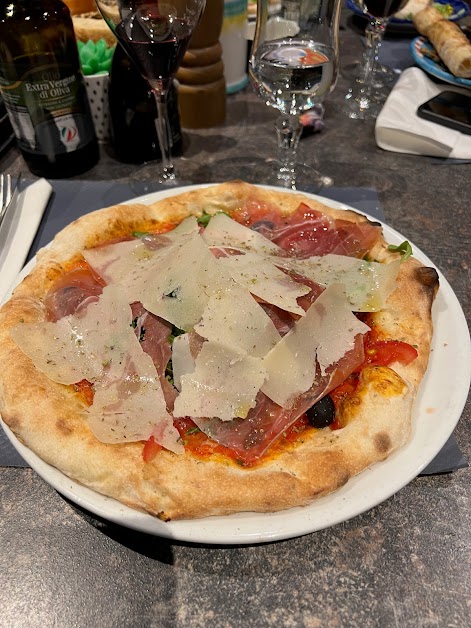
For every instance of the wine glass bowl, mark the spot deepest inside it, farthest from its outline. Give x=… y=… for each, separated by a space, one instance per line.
x=367 y=94
x=155 y=35
x=292 y=72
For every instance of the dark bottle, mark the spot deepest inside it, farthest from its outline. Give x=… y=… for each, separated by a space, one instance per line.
x=43 y=88
x=133 y=113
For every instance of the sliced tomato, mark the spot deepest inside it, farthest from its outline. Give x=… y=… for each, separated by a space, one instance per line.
x=385 y=352
x=151 y=449
x=85 y=388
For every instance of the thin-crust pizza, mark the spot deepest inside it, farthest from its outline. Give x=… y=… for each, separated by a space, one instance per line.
x=228 y=349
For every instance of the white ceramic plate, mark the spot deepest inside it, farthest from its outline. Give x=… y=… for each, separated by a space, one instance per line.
x=438 y=407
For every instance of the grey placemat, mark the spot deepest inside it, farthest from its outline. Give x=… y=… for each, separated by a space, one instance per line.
x=72 y=199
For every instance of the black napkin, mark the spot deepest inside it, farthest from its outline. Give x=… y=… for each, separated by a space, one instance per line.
x=71 y=198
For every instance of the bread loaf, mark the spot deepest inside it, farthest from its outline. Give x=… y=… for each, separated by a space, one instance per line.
x=92 y=26
x=449 y=41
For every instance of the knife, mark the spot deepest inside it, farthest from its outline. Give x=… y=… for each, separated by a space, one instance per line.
x=18 y=230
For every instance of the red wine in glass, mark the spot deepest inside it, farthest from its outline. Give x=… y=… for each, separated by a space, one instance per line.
x=159 y=56
x=383 y=8
x=155 y=35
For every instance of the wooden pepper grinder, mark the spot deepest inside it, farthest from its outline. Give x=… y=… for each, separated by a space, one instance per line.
x=200 y=81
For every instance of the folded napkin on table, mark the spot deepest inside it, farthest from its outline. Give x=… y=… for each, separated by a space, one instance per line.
x=399 y=128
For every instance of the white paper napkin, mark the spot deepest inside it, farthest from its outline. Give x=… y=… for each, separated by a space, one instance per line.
x=18 y=230
x=399 y=128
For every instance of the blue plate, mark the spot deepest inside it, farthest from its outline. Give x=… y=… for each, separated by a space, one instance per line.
x=421 y=44
x=460 y=10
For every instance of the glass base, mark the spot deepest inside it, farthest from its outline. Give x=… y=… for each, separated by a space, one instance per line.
x=359 y=106
x=259 y=171
x=383 y=76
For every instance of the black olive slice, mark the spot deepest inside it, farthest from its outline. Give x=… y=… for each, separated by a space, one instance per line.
x=322 y=413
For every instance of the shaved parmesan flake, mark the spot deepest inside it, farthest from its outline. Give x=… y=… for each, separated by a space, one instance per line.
x=76 y=347
x=115 y=261
x=125 y=409
x=177 y=286
x=128 y=260
x=223 y=385
x=260 y=277
x=99 y=344
x=224 y=232
x=368 y=284
x=182 y=360
x=188 y=226
x=234 y=319
x=327 y=332
x=335 y=335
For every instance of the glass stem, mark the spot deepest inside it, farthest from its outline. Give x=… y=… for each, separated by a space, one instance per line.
x=164 y=135
x=375 y=33
x=288 y=133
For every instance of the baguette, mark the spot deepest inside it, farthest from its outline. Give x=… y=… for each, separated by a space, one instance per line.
x=449 y=41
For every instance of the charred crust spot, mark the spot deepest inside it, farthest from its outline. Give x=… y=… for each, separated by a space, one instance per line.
x=343 y=478
x=374 y=223
x=63 y=428
x=162 y=515
x=428 y=277
x=12 y=421
x=382 y=442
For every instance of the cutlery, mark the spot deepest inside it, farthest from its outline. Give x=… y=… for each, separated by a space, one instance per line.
x=5 y=194
x=20 y=224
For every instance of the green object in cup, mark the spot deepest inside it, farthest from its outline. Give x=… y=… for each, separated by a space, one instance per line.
x=95 y=57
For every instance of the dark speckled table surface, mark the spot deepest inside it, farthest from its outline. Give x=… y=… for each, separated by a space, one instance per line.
x=405 y=563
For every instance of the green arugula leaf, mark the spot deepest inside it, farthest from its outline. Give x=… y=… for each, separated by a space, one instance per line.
x=139 y=234
x=193 y=430
x=404 y=249
x=204 y=219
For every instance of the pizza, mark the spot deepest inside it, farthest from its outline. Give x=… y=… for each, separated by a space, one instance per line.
x=227 y=349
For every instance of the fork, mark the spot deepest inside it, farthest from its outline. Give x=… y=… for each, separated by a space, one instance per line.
x=5 y=194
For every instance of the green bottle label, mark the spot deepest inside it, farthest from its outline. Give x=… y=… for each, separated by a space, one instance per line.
x=48 y=112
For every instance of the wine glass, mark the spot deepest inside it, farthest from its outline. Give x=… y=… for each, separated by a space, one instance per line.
x=155 y=35
x=383 y=75
x=291 y=73
x=364 y=100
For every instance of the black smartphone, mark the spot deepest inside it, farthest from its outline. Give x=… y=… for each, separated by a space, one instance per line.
x=450 y=109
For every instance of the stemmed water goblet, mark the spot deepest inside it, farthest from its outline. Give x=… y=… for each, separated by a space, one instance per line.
x=366 y=96
x=155 y=35
x=291 y=73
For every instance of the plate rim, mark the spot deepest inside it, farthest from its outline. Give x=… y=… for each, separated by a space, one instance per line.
x=462 y=12
x=237 y=529
x=431 y=67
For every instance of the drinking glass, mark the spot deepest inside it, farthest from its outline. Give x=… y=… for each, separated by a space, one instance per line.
x=365 y=98
x=291 y=73
x=383 y=75
x=155 y=35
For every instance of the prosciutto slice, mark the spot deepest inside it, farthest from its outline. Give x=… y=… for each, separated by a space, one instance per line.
x=251 y=437
x=307 y=232
x=154 y=334
x=73 y=290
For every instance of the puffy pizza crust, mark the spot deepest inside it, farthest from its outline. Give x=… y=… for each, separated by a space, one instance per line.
x=48 y=417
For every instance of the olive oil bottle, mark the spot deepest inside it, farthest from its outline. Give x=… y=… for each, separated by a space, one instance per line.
x=43 y=88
